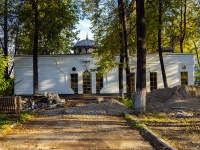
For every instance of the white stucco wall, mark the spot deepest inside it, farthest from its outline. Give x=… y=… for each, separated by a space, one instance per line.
x=54 y=72
x=173 y=67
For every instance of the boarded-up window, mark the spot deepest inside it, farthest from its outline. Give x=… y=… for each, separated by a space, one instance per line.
x=153 y=80
x=74 y=83
x=184 y=78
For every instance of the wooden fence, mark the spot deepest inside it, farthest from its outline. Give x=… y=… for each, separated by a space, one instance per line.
x=10 y=105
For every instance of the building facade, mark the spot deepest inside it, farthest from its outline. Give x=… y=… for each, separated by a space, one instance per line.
x=71 y=74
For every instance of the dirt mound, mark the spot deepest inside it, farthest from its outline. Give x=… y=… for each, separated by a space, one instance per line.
x=108 y=107
x=182 y=96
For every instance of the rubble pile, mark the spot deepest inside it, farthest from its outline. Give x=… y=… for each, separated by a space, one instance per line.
x=48 y=101
x=108 y=107
x=181 y=99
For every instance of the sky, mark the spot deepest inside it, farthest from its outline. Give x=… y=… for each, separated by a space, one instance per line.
x=84 y=27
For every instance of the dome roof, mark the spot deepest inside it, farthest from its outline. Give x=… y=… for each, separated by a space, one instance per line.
x=85 y=43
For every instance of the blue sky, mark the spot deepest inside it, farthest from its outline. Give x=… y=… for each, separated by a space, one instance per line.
x=84 y=27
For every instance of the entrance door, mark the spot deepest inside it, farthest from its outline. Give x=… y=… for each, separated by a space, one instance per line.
x=87 y=82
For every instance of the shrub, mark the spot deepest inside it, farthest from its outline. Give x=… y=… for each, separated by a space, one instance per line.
x=129 y=101
x=6 y=84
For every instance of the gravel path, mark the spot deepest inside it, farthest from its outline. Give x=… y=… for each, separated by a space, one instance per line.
x=77 y=128
x=74 y=132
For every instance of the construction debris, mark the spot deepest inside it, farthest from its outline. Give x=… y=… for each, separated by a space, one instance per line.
x=48 y=101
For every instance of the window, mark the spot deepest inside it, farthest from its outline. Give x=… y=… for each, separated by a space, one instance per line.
x=86 y=82
x=99 y=83
x=74 y=83
x=79 y=51
x=133 y=82
x=153 y=80
x=184 y=78
x=73 y=68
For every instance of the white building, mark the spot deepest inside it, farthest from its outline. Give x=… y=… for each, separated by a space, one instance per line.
x=71 y=74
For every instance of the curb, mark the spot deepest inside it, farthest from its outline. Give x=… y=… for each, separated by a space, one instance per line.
x=153 y=138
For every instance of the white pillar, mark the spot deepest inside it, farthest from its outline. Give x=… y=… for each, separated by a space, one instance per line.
x=93 y=79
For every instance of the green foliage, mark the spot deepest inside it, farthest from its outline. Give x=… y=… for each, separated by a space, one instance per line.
x=173 y=29
x=129 y=101
x=56 y=24
x=134 y=123
x=8 y=119
x=105 y=21
x=5 y=84
x=24 y=116
x=107 y=27
x=8 y=91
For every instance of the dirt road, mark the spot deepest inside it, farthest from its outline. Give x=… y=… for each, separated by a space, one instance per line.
x=74 y=132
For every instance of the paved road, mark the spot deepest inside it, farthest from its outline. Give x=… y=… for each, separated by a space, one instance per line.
x=74 y=132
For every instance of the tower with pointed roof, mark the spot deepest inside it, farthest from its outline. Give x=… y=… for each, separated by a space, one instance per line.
x=84 y=46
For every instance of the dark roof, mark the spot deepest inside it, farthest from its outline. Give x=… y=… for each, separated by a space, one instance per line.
x=84 y=43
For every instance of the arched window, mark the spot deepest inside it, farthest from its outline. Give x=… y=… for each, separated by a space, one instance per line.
x=87 y=82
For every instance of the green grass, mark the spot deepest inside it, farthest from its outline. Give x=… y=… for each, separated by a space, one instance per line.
x=174 y=130
x=8 y=119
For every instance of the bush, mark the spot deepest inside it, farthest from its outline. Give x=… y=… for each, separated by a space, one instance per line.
x=129 y=101
x=6 y=83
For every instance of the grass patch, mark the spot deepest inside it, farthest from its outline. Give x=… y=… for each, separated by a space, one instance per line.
x=134 y=123
x=174 y=130
x=6 y=120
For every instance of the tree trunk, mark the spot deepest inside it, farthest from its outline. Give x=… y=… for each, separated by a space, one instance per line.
x=121 y=69
x=140 y=95
x=121 y=61
x=183 y=24
x=5 y=47
x=159 y=46
x=35 y=49
x=126 y=50
x=197 y=55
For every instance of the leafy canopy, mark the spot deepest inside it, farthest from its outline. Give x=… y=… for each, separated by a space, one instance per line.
x=57 y=19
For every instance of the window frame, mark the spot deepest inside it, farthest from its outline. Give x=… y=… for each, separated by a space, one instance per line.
x=153 y=81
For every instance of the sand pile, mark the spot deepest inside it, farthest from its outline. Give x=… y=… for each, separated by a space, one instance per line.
x=165 y=100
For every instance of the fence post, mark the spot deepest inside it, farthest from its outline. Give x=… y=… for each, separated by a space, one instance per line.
x=10 y=104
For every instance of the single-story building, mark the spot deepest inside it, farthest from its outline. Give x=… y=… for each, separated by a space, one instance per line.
x=71 y=73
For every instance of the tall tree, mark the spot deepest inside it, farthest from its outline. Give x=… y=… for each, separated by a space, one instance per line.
x=111 y=24
x=56 y=21
x=160 y=44
x=140 y=97
x=183 y=23
x=35 y=46
x=123 y=21
x=46 y=22
x=5 y=48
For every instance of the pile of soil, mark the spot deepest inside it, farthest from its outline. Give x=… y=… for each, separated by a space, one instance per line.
x=108 y=107
x=185 y=97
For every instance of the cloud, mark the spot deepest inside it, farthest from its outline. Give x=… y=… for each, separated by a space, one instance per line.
x=82 y=35
x=85 y=24
x=84 y=27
